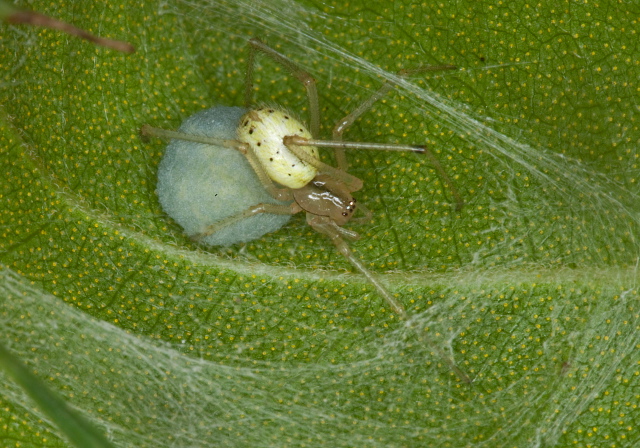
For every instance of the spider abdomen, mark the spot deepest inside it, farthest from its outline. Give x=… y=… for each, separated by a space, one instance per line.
x=200 y=184
x=264 y=129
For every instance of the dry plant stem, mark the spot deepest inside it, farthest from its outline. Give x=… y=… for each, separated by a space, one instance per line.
x=37 y=19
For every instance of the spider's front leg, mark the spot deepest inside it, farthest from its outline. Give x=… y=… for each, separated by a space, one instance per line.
x=335 y=233
x=342 y=125
x=327 y=227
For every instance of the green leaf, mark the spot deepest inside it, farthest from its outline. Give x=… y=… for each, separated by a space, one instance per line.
x=530 y=289
x=80 y=432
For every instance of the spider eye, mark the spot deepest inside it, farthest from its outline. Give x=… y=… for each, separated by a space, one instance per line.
x=352 y=205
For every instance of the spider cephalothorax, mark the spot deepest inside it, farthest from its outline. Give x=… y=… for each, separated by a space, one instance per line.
x=324 y=196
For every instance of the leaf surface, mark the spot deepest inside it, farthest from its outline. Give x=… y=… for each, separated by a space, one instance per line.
x=530 y=289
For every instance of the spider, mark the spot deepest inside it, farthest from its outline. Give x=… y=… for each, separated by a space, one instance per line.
x=283 y=155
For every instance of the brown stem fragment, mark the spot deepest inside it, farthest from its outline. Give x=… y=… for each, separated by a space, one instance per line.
x=21 y=16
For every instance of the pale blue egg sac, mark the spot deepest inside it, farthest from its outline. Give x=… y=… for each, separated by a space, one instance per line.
x=200 y=184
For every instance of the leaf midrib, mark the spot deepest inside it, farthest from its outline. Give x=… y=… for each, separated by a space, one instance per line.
x=469 y=277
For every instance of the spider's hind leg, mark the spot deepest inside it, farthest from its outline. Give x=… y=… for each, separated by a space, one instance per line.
x=301 y=75
x=248 y=213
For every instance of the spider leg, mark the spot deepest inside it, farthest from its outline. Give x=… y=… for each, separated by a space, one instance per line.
x=282 y=194
x=293 y=142
x=241 y=216
x=445 y=178
x=305 y=78
x=362 y=219
x=327 y=227
x=343 y=124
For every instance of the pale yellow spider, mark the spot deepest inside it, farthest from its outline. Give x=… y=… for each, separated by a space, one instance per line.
x=285 y=165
